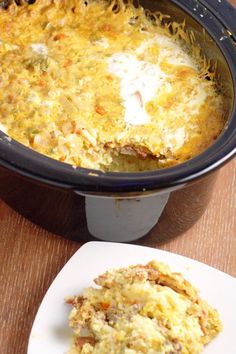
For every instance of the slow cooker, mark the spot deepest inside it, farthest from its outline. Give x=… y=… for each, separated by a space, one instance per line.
x=80 y=203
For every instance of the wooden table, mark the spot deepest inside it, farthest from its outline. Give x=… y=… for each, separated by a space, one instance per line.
x=30 y=257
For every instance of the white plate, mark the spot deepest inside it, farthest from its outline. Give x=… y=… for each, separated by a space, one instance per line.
x=50 y=333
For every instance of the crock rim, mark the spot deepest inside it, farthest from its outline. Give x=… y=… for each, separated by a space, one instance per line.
x=29 y=163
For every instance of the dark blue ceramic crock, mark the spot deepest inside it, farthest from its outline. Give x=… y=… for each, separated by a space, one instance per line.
x=125 y=206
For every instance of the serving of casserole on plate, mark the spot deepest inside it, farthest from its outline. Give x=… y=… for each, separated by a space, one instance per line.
x=105 y=85
x=141 y=309
x=173 y=294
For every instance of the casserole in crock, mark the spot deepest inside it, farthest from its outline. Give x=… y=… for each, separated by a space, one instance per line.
x=172 y=198
x=106 y=85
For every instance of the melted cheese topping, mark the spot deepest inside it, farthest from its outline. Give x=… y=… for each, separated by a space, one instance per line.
x=103 y=89
x=142 y=309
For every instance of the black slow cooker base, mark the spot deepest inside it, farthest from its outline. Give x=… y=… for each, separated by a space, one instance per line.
x=62 y=212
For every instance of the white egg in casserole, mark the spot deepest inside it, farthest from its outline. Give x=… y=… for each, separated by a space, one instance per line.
x=104 y=89
x=140 y=81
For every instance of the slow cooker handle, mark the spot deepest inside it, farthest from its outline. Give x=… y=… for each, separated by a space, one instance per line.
x=225 y=12
x=120 y=219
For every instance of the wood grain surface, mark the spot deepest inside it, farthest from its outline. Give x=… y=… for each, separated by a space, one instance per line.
x=30 y=257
